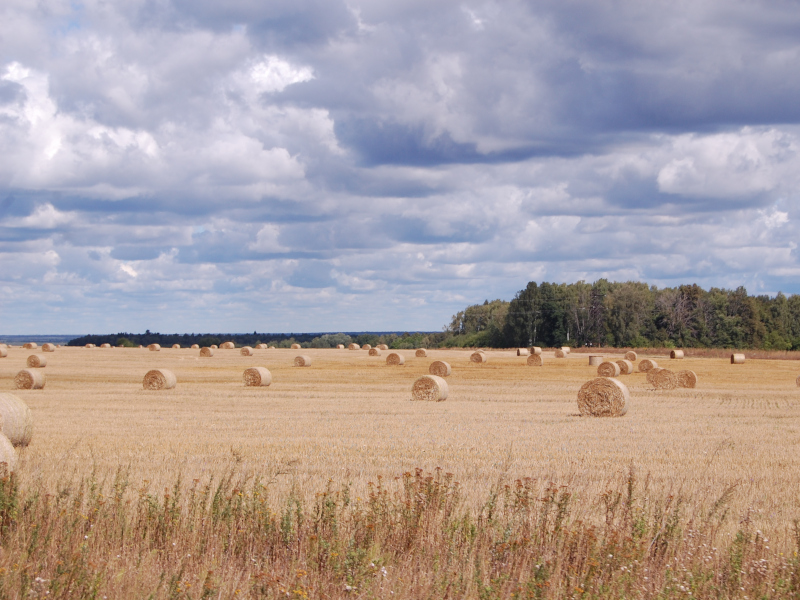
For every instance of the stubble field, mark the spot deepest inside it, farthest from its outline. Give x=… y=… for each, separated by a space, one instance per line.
x=348 y=422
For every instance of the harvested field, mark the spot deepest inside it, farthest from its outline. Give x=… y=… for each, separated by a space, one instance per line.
x=350 y=419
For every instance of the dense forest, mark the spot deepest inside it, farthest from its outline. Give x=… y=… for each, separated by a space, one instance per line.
x=630 y=314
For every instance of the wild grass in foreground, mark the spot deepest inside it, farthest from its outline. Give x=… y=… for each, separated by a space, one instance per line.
x=408 y=538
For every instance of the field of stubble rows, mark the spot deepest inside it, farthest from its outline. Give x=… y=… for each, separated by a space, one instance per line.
x=717 y=462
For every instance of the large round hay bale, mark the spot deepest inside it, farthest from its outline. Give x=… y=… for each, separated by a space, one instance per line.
x=676 y=354
x=395 y=359
x=608 y=369
x=737 y=359
x=421 y=353
x=560 y=353
x=440 y=368
x=383 y=347
x=647 y=364
x=662 y=379
x=195 y=347
x=535 y=360
x=630 y=355
x=246 y=351
x=3 y=353
x=176 y=346
x=366 y=347
x=154 y=347
x=478 y=357
x=302 y=361
x=257 y=377
x=16 y=420
x=8 y=456
x=261 y=346
x=30 y=379
x=354 y=346
x=374 y=352
x=48 y=347
x=625 y=367
x=431 y=388
x=340 y=346
x=535 y=350
x=30 y=346
x=686 y=379
x=523 y=352
x=206 y=352
x=36 y=361
x=565 y=349
x=595 y=360
x=159 y=379
x=603 y=397
x=227 y=346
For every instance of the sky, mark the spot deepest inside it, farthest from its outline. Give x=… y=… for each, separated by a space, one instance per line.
x=309 y=165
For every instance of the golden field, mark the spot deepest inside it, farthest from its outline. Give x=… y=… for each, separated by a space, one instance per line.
x=349 y=418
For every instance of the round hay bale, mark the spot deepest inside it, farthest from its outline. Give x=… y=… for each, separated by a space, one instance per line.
x=431 y=388
x=89 y=346
x=154 y=347
x=688 y=379
x=478 y=357
x=523 y=352
x=535 y=350
x=737 y=359
x=36 y=361
x=662 y=379
x=383 y=347
x=214 y=347
x=296 y=347
x=354 y=346
x=302 y=361
x=625 y=367
x=560 y=353
x=3 y=353
x=440 y=368
x=595 y=360
x=30 y=379
x=608 y=369
x=246 y=351
x=16 y=419
x=261 y=346
x=272 y=347
x=207 y=352
x=48 y=348
x=366 y=347
x=676 y=354
x=535 y=360
x=421 y=353
x=176 y=346
x=227 y=346
x=374 y=352
x=340 y=346
x=159 y=379
x=257 y=377
x=630 y=355
x=195 y=347
x=106 y=345
x=395 y=359
x=647 y=364
x=8 y=456
x=565 y=349
x=603 y=397
x=30 y=346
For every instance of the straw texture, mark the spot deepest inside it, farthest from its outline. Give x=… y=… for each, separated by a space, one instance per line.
x=662 y=379
x=257 y=377
x=366 y=347
x=354 y=346
x=687 y=379
x=8 y=456
x=302 y=361
x=676 y=354
x=154 y=347
x=560 y=354
x=535 y=350
x=535 y=360
x=30 y=379
x=440 y=368
x=206 y=352
x=395 y=359
x=36 y=361
x=374 y=352
x=630 y=355
x=478 y=357
x=16 y=419
x=246 y=351
x=227 y=346
x=421 y=353
x=603 y=397
x=30 y=346
x=429 y=388
x=625 y=367
x=159 y=379
x=608 y=369
x=646 y=365
x=48 y=348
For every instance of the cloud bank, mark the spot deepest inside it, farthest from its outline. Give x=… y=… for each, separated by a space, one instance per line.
x=321 y=166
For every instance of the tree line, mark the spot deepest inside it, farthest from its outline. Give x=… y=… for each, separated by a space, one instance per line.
x=630 y=314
